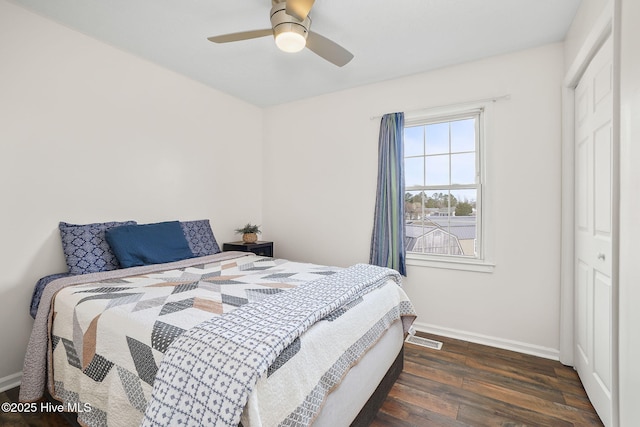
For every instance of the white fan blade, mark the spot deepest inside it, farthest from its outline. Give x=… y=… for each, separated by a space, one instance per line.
x=243 y=35
x=327 y=49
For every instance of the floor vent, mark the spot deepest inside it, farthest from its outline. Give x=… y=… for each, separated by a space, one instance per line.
x=424 y=342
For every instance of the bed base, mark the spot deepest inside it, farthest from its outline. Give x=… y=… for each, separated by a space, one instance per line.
x=364 y=418
x=370 y=409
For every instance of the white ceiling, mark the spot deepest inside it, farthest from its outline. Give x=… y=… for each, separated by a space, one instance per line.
x=389 y=39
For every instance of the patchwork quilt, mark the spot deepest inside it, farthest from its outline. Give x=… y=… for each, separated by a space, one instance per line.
x=109 y=337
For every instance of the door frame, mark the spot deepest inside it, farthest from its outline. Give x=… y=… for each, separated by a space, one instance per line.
x=602 y=29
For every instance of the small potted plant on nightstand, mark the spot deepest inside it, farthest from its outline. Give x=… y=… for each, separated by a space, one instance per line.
x=249 y=233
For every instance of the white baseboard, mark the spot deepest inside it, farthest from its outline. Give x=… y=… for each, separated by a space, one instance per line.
x=520 y=347
x=10 y=381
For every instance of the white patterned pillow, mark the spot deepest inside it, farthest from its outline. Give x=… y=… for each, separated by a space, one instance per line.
x=85 y=248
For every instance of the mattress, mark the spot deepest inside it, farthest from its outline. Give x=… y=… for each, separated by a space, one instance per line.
x=343 y=404
x=110 y=336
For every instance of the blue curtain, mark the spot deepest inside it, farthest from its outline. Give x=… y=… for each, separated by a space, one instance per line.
x=387 y=240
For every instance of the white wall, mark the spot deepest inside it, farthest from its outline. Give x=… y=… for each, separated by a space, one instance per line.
x=92 y=134
x=629 y=278
x=320 y=161
x=587 y=14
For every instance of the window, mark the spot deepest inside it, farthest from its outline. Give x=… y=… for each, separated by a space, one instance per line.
x=443 y=187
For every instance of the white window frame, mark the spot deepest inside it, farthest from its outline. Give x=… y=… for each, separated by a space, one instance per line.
x=479 y=263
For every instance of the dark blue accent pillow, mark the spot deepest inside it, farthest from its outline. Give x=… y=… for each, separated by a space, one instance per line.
x=147 y=244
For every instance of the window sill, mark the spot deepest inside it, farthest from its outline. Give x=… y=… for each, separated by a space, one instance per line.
x=450 y=263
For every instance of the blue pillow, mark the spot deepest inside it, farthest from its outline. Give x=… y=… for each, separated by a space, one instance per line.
x=200 y=237
x=85 y=248
x=147 y=244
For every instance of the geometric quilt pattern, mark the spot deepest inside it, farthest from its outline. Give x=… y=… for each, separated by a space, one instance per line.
x=143 y=360
x=287 y=354
x=92 y=321
x=163 y=334
x=209 y=372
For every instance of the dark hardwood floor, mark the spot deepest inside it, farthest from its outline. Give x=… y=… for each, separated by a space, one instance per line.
x=467 y=384
x=463 y=384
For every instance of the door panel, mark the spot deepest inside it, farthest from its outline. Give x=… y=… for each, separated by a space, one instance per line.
x=582 y=308
x=602 y=180
x=602 y=330
x=593 y=228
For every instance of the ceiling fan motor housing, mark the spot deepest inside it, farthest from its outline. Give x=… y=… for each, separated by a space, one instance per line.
x=281 y=22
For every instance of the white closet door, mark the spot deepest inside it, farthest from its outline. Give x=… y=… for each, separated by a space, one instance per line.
x=593 y=230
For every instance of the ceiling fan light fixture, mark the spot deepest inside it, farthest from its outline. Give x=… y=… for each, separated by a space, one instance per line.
x=291 y=31
x=290 y=37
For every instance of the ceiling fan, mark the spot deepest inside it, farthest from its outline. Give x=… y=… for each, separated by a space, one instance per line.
x=290 y=25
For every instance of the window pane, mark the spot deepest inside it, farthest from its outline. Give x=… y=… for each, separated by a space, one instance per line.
x=437 y=138
x=435 y=201
x=437 y=169
x=414 y=141
x=463 y=135
x=463 y=168
x=448 y=226
x=413 y=171
x=459 y=228
x=465 y=196
x=464 y=224
x=413 y=206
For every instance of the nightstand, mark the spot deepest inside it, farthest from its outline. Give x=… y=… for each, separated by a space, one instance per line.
x=258 y=248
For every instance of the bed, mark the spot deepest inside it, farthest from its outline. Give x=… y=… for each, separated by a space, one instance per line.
x=225 y=338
